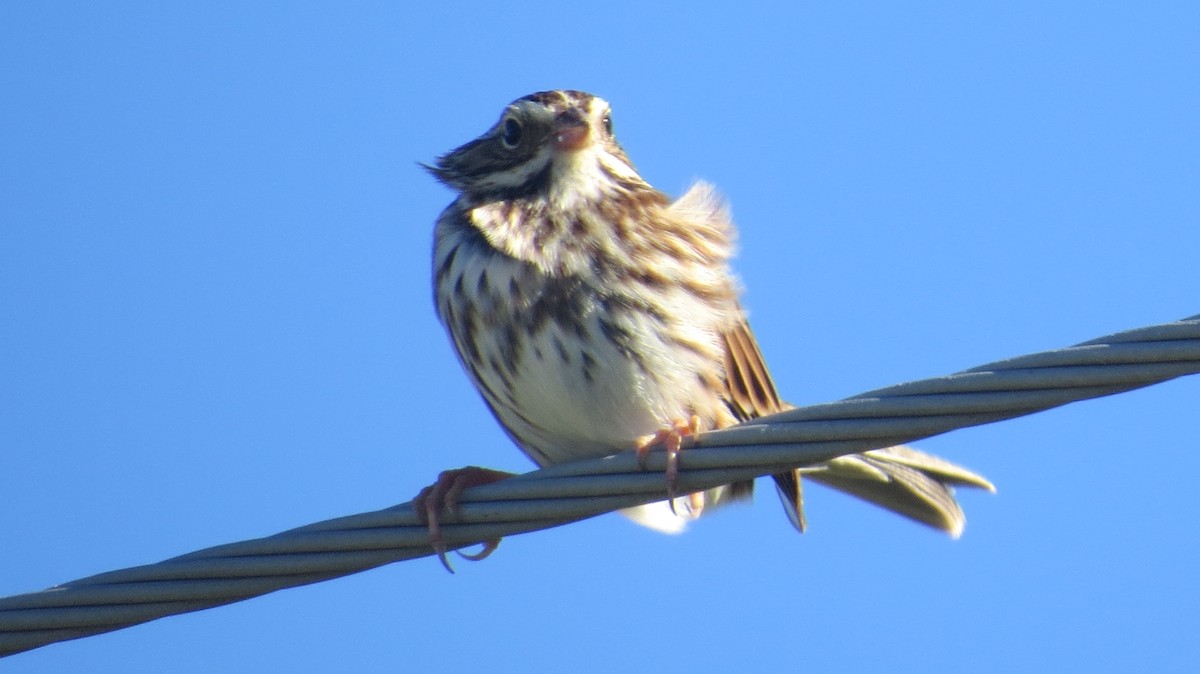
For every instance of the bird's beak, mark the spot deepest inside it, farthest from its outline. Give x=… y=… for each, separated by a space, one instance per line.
x=571 y=132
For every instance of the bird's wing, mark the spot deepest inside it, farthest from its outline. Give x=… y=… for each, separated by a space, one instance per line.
x=901 y=479
x=752 y=394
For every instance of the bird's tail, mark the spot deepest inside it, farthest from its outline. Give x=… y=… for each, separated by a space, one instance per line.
x=901 y=479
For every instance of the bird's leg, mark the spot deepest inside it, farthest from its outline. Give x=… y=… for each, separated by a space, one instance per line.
x=671 y=438
x=443 y=494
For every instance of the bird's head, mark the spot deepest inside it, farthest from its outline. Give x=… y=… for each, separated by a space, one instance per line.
x=547 y=142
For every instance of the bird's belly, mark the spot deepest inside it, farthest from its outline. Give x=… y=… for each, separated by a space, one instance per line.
x=579 y=398
x=576 y=392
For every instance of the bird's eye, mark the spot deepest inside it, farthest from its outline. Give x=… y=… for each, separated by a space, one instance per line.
x=608 y=124
x=512 y=133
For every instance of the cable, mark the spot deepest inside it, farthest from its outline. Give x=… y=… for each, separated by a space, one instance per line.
x=568 y=492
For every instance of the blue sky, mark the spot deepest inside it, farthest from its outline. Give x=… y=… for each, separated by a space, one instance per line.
x=214 y=250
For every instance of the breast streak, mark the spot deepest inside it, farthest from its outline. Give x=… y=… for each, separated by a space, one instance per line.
x=569 y=387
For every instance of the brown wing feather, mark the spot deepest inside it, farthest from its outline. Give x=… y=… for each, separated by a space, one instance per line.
x=753 y=394
x=751 y=390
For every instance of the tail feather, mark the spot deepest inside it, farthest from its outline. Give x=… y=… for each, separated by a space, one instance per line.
x=905 y=481
x=789 y=486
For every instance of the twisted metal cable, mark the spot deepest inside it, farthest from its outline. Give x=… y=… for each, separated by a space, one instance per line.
x=568 y=492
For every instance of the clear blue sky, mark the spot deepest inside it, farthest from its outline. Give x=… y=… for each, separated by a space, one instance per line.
x=215 y=321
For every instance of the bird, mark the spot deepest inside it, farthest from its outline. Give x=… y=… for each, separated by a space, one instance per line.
x=596 y=315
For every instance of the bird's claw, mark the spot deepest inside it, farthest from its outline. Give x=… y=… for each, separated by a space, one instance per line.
x=444 y=494
x=671 y=438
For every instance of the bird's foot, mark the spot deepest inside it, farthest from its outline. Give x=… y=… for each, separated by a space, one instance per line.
x=671 y=438
x=443 y=495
